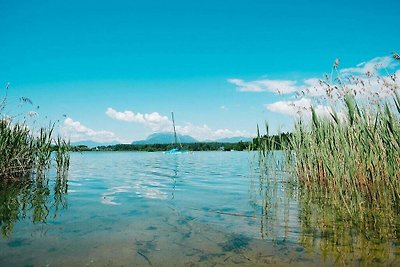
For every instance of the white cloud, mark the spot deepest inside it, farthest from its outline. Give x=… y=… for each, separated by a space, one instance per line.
x=311 y=86
x=76 y=131
x=372 y=66
x=291 y=108
x=204 y=132
x=369 y=81
x=314 y=87
x=159 y=123
x=275 y=86
x=300 y=108
x=154 y=120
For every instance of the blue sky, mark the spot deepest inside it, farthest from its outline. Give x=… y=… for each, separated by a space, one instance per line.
x=117 y=69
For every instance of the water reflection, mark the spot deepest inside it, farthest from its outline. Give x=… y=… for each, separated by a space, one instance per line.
x=179 y=211
x=32 y=200
x=275 y=202
x=292 y=214
x=324 y=230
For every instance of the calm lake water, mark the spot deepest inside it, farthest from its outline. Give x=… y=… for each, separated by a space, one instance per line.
x=152 y=209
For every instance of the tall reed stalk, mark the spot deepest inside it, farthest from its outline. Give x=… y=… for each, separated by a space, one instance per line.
x=62 y=149
x=352 y=164
x=349 y=160
x=24 y=151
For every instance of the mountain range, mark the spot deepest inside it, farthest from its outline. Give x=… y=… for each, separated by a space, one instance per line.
x=165 y=138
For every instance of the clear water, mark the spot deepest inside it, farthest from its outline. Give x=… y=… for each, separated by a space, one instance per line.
x=153 y=209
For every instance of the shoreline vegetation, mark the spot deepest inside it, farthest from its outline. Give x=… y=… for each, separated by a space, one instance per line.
x=26 y=155
x=345 y=163
x=26 y=152
x=209 y=146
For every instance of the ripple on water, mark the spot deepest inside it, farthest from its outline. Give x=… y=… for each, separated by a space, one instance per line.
x=210 y=208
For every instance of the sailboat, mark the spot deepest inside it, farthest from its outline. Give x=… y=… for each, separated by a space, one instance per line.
x=177 y=145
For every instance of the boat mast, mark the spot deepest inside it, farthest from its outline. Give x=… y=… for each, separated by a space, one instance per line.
x=173 y=122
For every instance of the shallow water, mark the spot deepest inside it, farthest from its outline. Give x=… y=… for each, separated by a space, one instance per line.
x=152 y=209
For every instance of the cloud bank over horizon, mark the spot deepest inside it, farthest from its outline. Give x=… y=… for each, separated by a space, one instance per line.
x=153 y=120
x=76 y=132
x=158 y=123
x=369 y=80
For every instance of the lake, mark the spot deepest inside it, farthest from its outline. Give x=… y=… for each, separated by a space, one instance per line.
x=153 y=209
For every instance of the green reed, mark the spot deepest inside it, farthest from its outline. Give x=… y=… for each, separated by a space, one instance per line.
x=62 y=157
x=353 y=162
x=350 y=160
x=16 y=150
x=21 y=152
x=25 y=151
x=324 y=231
x=25 y=157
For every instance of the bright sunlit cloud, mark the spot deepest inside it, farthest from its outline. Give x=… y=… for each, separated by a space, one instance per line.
x=153 y=120
x=204 y=132
x=299 y=108
x=76 y=132
x=369 y=80
x=371 y=67
x=265 y=85
x=159 y=123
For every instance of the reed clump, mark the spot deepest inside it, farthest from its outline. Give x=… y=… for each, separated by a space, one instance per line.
x=25 y=151
x=354 y=161
x=349 y=159
x=21 y=152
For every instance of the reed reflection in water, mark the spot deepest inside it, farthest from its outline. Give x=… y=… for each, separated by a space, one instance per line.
x=201 y=209
x=33 y=200
x=290 y=213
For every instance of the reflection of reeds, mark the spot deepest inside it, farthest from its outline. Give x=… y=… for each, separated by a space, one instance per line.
x=12 y=206
x=324 y=230
x=29 y=199
x=62 y=157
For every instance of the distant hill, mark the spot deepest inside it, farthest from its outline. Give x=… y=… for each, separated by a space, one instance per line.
x=92 y=144
x=233 y=139
x=165 y=138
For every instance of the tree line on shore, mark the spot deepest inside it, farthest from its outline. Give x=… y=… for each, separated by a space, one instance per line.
x=278 y=140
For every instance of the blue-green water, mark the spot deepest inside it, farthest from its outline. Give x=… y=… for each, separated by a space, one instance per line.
x=152 y=209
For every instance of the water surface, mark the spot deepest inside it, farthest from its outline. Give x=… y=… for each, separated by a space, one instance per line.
x=152 y=209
